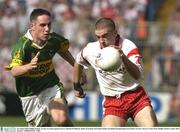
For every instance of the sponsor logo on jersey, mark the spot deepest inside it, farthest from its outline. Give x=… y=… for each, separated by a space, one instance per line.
x=42 y=69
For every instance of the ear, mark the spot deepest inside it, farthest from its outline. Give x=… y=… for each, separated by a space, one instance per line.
x=115 y=33
x=32 y=24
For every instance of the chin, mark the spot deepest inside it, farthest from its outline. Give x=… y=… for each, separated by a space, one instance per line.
x=45 y=39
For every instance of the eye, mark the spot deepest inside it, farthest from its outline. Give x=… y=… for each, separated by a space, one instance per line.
x=98 y=37
x=42 y=25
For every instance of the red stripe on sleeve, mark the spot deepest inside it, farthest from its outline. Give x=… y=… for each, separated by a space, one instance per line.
x=133 y=52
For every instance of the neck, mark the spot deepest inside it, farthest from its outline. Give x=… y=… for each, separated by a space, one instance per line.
x=36 y=40
x=39 y=42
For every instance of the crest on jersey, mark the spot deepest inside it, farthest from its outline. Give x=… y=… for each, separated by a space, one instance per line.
x=17 y=54
x=99 y=55
x=51 y=53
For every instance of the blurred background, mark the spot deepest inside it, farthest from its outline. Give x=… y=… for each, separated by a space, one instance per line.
x=152 y=24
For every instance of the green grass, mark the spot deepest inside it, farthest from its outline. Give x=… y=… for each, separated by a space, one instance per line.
x=12 y=121
x=6 y=121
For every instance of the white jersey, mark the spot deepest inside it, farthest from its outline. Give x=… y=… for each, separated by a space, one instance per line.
x=117 y=82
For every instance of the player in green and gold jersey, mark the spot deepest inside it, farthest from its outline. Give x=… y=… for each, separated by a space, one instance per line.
x=37 y=85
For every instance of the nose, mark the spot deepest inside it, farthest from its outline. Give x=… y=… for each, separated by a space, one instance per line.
x=47 y=28
x=101 y=40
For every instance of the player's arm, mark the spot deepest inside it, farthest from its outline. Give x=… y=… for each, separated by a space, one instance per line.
x=78 y=70
x=63 y=51
x=22 y=69
x=67 y=56
x=131 y=67
x=79 y=76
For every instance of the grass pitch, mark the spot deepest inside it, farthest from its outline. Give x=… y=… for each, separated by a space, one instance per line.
x=16 y=121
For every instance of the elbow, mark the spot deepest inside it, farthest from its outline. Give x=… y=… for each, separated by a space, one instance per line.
x=137 y=75
x=13 y=73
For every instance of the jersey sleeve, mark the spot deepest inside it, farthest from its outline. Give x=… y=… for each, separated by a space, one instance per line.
x=135 y=57
x=80 y=58
x=18 y=53
x=60 y=43
x=17 y=58
x=64 y=46
x=133 y=54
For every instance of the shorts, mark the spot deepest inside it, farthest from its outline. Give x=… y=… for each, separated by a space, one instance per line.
x=127 y=105
x=35 y=107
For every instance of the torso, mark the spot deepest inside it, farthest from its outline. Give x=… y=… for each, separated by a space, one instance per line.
x=44 y=75
x=116 y=82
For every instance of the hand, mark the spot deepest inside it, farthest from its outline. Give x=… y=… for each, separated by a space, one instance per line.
x=34 y=61
x=119 y=48
x=79 y=92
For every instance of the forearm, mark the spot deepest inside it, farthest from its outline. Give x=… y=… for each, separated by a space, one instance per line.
x=79 y=92
x=131 y=68
x=77 y=73
x=20 y=70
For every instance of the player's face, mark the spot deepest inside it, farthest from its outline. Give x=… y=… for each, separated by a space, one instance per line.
x=105 y=36
x=41 y=28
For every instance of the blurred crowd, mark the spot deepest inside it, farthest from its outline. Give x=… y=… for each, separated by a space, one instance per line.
x=74 y=19
x=169 y=57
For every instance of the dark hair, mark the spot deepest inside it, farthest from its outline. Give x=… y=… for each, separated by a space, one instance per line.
x=105 y=22
x=38 y=12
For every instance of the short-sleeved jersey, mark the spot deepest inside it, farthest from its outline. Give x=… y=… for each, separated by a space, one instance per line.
x=44 y=75
x=117 y=82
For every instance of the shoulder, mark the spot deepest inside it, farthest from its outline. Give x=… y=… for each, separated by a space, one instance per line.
x=129 y=48
x=128 y=45
x=57 y=37
x=22 y=43
x=59 y=42
x=23 y=40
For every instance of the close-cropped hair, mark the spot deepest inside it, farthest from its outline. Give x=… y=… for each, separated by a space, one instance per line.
x=38 y=12
x=105 y=22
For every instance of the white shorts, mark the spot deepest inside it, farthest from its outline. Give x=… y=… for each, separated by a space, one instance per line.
x=36 y=107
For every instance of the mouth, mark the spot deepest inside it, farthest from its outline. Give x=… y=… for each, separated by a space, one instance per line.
x=46 y=35
x=103 y=45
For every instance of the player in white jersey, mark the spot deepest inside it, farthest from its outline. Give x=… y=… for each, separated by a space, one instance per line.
x=124 y=97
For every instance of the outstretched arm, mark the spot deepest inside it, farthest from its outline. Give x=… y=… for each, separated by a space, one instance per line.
x=68 y=57
x=78 y=70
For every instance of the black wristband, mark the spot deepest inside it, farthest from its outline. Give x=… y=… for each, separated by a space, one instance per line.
x=77 y=86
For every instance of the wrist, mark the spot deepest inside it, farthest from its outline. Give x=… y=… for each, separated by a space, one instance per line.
x=77 y=86
x=121 y=53
x=28 y=67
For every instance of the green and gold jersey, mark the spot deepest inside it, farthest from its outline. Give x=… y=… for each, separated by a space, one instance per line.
x=44 y=75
